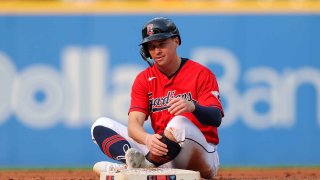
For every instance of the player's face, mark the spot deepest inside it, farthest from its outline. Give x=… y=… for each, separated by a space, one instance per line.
x=163 y=51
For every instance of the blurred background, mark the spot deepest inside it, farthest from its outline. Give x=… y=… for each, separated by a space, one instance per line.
x=65 y=63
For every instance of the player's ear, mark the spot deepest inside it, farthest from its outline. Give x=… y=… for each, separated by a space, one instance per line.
x=146 y=55
x=176 y=40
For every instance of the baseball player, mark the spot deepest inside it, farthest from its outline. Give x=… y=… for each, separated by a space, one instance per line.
x=180 y=96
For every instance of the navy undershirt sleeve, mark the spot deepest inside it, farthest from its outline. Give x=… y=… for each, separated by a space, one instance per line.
x=208 y=115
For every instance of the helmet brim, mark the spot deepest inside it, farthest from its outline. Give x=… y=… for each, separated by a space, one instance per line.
x=157 y=37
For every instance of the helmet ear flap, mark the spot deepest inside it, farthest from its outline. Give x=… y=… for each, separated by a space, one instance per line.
x=146 y=55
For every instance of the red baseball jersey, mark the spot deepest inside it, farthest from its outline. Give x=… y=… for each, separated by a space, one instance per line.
x=152 y=90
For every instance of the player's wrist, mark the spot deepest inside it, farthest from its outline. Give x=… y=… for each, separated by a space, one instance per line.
x=147 y=140
x=194 y=106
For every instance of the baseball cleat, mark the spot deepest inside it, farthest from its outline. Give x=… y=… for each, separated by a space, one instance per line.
x=135 y=159
x=105 y=166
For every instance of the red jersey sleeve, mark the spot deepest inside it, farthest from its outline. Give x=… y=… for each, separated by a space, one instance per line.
x=139 y=95
x=208 y=90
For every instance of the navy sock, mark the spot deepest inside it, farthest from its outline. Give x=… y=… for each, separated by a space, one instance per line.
x=111 y=143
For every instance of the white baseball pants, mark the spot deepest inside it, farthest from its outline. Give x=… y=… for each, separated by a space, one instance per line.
x=196 y=153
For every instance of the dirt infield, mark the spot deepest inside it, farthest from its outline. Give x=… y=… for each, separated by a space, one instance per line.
x=270 y=173
x=225 y=173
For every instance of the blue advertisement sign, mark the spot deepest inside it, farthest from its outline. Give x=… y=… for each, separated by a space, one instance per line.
x=59 y=73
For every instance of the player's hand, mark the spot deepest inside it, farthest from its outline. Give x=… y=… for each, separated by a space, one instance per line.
x=155 y=146
x=180 y=105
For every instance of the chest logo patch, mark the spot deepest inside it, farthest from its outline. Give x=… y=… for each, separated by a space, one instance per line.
x=160 y=103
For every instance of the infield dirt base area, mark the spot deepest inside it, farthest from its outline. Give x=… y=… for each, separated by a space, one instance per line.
x=224 y=173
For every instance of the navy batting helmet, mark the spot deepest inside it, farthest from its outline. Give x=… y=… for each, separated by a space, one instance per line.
x=156 y=29
x=159 y=28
